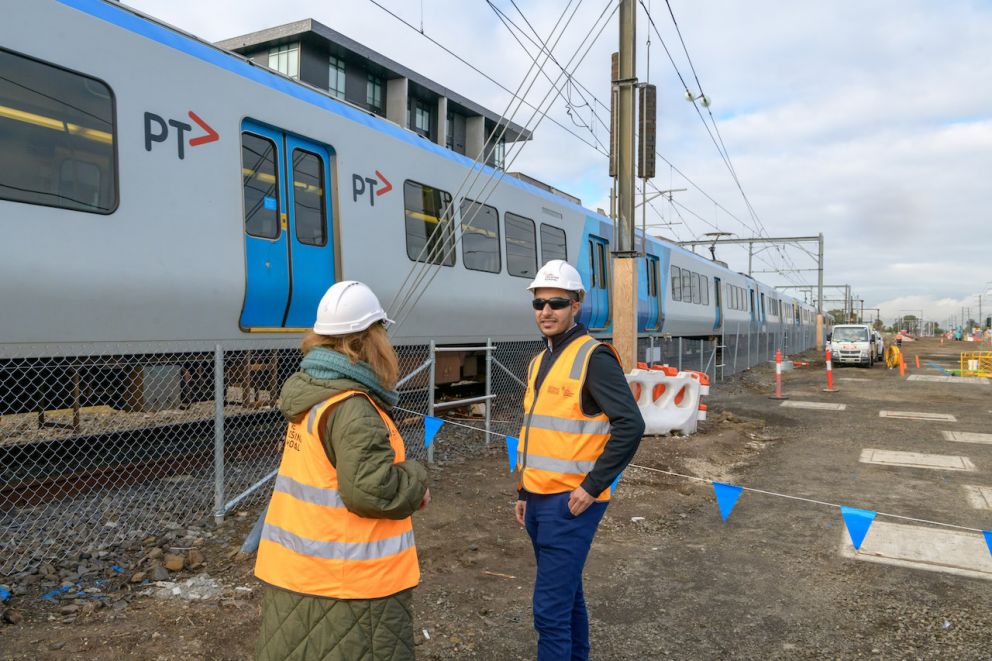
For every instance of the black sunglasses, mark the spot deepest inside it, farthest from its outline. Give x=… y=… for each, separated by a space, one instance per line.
x=556 y=303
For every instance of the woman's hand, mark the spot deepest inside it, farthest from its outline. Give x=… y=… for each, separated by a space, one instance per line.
x=426 y=500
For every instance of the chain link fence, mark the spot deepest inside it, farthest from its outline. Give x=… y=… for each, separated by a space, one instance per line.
x=105 y=450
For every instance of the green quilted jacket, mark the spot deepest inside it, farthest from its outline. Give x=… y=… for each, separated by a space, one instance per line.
x=303 y=627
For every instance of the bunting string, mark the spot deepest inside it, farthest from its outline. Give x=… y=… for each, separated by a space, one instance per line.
x=856 y=520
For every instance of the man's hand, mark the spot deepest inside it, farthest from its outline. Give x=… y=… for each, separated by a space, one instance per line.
x=426 y=500
x=579 y=501
x=520 y=509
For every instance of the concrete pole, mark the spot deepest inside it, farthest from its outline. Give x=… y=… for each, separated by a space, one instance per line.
x=819 y=293
x=625 y=255
x=750 y=256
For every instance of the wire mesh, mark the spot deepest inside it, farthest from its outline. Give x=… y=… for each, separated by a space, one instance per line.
x=105 y=450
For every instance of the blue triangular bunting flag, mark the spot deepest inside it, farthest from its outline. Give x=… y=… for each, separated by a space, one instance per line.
x=431 y=425
x=988 y=539
x=616 y=481
x=511 y=451
x=857 y=522
x=726 y=497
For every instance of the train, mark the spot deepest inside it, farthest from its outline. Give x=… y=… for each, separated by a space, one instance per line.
x=161 y=194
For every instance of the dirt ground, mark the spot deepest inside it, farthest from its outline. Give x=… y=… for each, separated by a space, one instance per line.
x=666 y=578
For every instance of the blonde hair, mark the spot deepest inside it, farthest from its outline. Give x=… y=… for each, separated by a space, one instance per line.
x=370 y=346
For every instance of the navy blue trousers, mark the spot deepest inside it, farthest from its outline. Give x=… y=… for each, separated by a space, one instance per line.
x=561 y=543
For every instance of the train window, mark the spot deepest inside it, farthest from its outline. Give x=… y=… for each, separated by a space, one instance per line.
x=521 y=246
x=686 y=287
x=429 y=235
x=308 y=198
x=695 y=287
x=704 y=290
x=260 y=185
x=651 y=265
x=676 y=283
x=593 y=281
x=751 y=296
x=552 y=243
x=603 y=264
x=57 y=137
x=480 y=237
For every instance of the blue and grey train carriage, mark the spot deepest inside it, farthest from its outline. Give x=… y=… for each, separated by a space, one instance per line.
x=158 y=194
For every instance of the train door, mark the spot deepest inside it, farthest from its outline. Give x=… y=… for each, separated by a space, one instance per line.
x=599 y=291
x=289 y=251
x=718 y=303
x=653 y=318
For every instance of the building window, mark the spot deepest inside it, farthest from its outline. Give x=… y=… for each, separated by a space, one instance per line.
x=56 y=137
x=336 y=79
x=521 y=246
x=286 y=60
x=553 y=244
x=429 y=234
x=480 y=237
x=373 y=93
x=420 y=117
x=499 y=154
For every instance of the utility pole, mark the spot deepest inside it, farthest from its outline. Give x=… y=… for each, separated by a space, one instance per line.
x=625 y=254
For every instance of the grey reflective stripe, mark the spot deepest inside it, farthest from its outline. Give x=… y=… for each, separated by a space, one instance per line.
x=312 y=417
x=307 y=493
x=557 y=465
x=338 y=550
x=580 y=358
x=569 y=426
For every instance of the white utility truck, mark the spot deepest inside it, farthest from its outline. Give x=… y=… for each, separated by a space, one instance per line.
x=853 y=344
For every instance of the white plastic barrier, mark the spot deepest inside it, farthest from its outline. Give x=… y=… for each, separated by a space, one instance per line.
x=663 y=409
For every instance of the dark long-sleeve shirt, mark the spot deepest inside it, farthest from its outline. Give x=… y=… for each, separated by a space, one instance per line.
x=605 y=391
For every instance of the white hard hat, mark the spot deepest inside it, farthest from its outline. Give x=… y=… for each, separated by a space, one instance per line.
x=348 y=307
x=558 y=274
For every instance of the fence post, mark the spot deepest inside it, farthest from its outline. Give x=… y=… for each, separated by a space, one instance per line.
x=702 y=355
x=680 y=354
x=430 y=396
x=489 y=386
x=218 y=434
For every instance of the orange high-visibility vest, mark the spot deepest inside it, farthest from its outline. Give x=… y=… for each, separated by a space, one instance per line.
x=559 y=443
x=311 y=543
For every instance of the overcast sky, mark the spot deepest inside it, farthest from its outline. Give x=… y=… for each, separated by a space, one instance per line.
x=868 y=121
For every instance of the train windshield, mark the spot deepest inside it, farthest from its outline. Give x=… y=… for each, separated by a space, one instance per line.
x=850 y=334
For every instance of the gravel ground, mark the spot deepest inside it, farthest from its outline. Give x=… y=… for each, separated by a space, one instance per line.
x=666 y=576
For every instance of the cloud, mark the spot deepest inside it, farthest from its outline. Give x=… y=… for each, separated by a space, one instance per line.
x=868 y=122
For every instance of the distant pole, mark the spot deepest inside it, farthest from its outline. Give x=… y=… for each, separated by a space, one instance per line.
x=750 y=257
x=625 y=255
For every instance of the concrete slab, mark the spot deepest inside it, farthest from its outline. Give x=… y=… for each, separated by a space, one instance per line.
x=823 y=406
x=967 y=437
x=976 y=381
x=946 y=462
x=918 y=415
x=979 y=497
x=917 y=547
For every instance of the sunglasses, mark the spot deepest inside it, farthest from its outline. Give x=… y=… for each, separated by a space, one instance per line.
x=556 y=303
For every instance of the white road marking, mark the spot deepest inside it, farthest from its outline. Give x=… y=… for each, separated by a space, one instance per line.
x=852 y=378
x=825 y=406
x=918 y=415
x=933 y=549
x=967 y=437
x=979 y=497
x=949 y=379
x=947 y=462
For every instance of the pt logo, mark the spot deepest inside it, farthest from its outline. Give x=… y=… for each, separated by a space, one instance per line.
x=360 y=184
x=157 y=130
